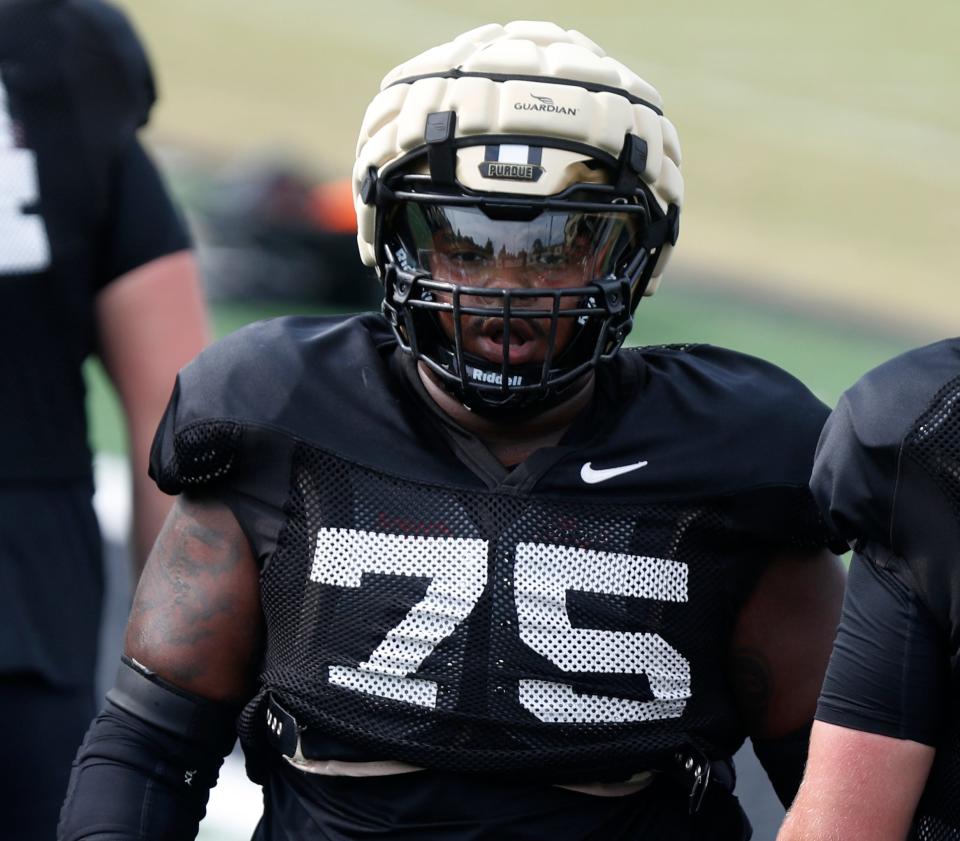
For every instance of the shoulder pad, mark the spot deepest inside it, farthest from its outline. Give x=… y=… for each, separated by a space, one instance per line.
x=713 y=423
x=275 y=375
x=752 y=422
x=859 y=458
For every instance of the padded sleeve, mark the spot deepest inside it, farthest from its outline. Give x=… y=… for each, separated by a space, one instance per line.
x=185 y=456
x=218 y=437
x=132 y=779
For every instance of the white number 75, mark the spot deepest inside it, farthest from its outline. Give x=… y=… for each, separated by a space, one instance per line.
x=543 y=575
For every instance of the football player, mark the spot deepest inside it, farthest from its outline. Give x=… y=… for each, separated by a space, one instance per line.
x=467 y=569
x=885 y=751
x=92 y=259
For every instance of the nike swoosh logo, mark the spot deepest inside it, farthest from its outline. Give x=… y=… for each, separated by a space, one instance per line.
x=592 y=476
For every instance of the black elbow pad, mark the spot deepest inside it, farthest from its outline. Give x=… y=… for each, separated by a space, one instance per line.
x=147 y=763
x=150 y=698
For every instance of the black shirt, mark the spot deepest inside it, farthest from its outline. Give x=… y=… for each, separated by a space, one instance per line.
x=526 y=625
x=87 y=207
x=887 y=475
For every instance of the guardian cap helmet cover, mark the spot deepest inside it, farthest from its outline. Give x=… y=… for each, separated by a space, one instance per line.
x=520 y=183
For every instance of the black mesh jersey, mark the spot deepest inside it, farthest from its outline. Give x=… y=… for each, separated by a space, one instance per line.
x=81 y=205
x=571 y=617
x=888 y=474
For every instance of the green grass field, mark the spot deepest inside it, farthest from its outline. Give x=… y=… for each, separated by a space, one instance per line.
x=819 y=138
x=821 y=222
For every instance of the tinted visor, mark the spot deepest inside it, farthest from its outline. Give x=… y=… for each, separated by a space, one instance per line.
x=554 y=249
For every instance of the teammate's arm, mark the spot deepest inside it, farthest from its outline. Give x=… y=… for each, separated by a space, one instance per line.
x=882 y=709
x=151 y=322
x=857 y=785
x=193 y=643
x=781 y=646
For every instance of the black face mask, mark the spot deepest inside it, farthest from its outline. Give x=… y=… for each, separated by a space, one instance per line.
x=565 y=277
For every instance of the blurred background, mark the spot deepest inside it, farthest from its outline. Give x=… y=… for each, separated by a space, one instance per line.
x=821 y=222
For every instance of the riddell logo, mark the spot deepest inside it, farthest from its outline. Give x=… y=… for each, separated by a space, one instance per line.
x=492 y=378
x=544 y=103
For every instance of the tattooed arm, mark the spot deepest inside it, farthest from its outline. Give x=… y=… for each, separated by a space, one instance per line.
x=196 y=617
x=779 y=655
x=149 y=759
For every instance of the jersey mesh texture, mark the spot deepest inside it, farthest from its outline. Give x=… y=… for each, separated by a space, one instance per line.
x=934 y=443
x=205 y=452
x=493 y=633
x=938 y=813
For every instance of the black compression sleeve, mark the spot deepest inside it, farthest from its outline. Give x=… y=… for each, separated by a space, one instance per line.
x=888 y=673
x=784 y=760
x=135 y=778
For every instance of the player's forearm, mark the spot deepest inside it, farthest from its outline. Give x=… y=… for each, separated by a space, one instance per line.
x=802 y=824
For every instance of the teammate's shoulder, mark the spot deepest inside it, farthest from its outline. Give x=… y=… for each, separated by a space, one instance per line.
x=858 y=467
x=932 y=362
x=100 y=28
x=874 y=415
x=886 y=401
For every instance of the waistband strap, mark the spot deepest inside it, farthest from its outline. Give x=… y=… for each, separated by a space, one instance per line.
x=688 y=767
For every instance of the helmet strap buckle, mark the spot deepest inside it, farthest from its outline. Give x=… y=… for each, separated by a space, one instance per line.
x=399 y=283
x=438 y=133
x=633 y=161
x=615 y=295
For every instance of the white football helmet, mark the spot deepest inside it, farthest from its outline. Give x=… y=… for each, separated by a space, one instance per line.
x=521 y=145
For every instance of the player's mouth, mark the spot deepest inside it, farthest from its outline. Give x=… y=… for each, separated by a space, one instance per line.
x=525 y=341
